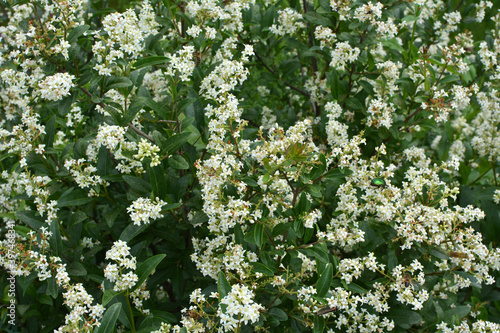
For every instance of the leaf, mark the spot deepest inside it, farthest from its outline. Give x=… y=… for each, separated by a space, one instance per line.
x=404 y=318
x=150 y=61
x=223 y=286
x=115 y=82
x=356 y=288
x=76 y=269
x=52 y=288
x=319 y=324
x=55 y=238
x=261 y=268
x=157 y=108
x=108 y=296
x=29 y=217
x=74 y=198
x=337 y=173
x=145 y=269
x=108 y=321
x=131 y=231
x=325 y=280
x=50 y=131
x=111 y=216
x=185 y=102
x=77 y=32
x=178 y=162
x=157 y=180
x=175 y=142
x=316 y=18
x=258 y=234
x=279 y=314
x=138 y=184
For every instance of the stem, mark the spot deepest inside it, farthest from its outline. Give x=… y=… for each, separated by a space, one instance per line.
x=135 y=129
x=130 y=311
x=303 y=92
x=480 y=176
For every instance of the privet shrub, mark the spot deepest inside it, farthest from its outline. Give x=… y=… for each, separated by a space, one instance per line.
x=250 y=165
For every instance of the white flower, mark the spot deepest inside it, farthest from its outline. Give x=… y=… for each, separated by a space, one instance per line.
x=57 y=86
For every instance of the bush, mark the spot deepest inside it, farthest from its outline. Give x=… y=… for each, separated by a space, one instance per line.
x=239 y=166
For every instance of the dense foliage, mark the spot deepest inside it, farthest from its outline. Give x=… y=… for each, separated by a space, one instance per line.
x=250 y=165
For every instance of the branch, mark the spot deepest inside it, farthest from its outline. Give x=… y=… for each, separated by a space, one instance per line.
x=135 y=129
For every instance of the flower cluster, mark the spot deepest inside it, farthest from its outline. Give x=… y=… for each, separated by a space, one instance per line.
x=143 y=210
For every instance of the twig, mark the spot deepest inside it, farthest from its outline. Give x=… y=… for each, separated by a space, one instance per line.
x=135 y=129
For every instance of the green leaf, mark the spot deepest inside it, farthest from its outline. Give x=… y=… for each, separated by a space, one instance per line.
x=145 y=269
x=52 y=287
x=108 y=321
x=223 y=286
x=29 y=217
x=317 y=18
x=131 y=231
x=138 y=184
x=55 y=238
x=178 y=162
x=356 y=288
x=175 y=142
x=157 y=108
x=150 y=61
x=74 y=198
x=108 y=296
x=111 y=216
x=50 y=131
x=185 y=102
x=76 y=269
x=337 y=173
x=325 y=280
x=157 y=180
x=404 y=318
x=258 y=234
x=115 y=82
x=459 y=311
x=261 y=268
x=77 y=32
x=78 y=217
x=279 y=314
x=319 y=324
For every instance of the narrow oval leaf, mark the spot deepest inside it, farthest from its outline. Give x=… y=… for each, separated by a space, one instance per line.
x=145 y=269
x=178 y=162
x=223 y=286
x=108 y=321
x=74 y=198
x=260 y=268
x=150 y=61
x=258 y=234
x=325 y=280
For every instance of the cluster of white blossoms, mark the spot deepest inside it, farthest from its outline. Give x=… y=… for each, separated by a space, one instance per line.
x=380 y=113
x=289 y=22
x=148 y=150
x=125 y=34
x=285 y=197
x=238 y=307
x=57 y=86
x=119 y=253
x=85 y=175
x=143 y=210
x=343 y=54
x=182 y=63
x=122 y=274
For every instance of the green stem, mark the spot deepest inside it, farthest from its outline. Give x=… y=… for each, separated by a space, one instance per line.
x=480 y=176
x=130 y=311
